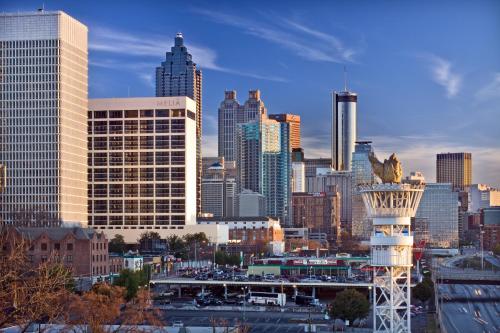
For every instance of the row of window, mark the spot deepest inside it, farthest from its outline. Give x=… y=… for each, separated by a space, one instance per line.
x=132 y=174
x=132 y=190
x=136 y=206
x=134 y=126
x=136 y=158
x=57 y=247
x=98 y=114
x=135 y=220
x=132 y=142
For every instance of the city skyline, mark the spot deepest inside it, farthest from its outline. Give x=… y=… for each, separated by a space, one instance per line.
x=446 y=103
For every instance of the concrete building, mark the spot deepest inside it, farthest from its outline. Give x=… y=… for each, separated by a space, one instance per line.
x=43 y=103
x=439 y=206
x=142 y=165
x=264 y=164
x=250 y=235
x=483 y=196
x=251 y=204
x=490 y=219
x=256 y=229
x=294 y=121
x=298 y=177
x=344 y=128
x=218 y=192
x=335 y=181
x=318 y=212
x=313 y=164
x=362 y=173
x=178 y=75
x=83 y=251
x=454 y=168
x=232 y=113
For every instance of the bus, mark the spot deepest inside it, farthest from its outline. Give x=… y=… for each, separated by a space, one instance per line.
x=266 y=298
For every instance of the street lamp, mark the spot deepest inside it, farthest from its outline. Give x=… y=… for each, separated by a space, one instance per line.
x=243 y=289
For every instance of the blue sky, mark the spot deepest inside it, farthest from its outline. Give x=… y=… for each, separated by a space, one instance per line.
x=427 y=73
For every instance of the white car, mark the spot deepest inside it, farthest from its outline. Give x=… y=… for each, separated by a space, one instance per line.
x=178 y=323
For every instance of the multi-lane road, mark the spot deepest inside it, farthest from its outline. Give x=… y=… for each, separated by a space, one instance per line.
x=470 y=308
x=272 y=322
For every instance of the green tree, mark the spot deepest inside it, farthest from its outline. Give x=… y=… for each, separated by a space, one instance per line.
x=177 y=246
x=132 y=280
x=350 y=305
x=424 y=290
x=117 y=244
x=149 y=235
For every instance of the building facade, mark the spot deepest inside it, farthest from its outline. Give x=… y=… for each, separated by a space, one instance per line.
x=294 y=121
x=454 y=168
x=250 y=229
x=439 y=207
x=315 y=164
x=84 y=251
x=264 y=164
x=344 y=128
x=142 y=165
x=251 y=204
x=231 y=113
x=43 y=102
x=298 y=177
x=218 y=192
x=318 y=212
x=178 y=75
x=335 y=181
x=483 y=196
x=362 y=173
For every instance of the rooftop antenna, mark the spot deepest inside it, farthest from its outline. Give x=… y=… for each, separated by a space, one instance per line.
x=345 y=79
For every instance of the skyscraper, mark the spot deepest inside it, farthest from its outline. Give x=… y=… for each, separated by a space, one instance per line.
x=142 y=165
x=438 y=208
x=231 y=113
x=218 y=191
x=178 y=75
x=294 y=121
x=344 y=128
x=43 y=106
x=454 y=168
x=264 y=164
x=361 y=174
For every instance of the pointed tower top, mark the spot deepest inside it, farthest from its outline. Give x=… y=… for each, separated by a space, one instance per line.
x=345 y=78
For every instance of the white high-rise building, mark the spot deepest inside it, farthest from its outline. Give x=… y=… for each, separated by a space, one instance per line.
x=142 y=165
x=298 y=177
x=43 y=106
x=344 y=128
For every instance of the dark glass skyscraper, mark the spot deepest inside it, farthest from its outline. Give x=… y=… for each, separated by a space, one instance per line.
x=178 y=75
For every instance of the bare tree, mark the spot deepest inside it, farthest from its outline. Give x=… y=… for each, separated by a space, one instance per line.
x=29 y=294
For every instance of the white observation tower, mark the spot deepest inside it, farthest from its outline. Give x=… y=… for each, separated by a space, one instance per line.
x=391 y=206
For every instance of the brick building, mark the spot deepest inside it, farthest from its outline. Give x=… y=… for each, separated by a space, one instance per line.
x=85 y=251
x=318 y=212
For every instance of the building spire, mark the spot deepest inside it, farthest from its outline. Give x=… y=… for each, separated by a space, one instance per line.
x=345 y=79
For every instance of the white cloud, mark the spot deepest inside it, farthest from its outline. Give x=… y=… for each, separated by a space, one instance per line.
x=289 y=34
x=490 y=90
x=442 y=74
x=108 y=40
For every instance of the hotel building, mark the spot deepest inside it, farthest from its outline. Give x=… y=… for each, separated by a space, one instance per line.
x=142 y=165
